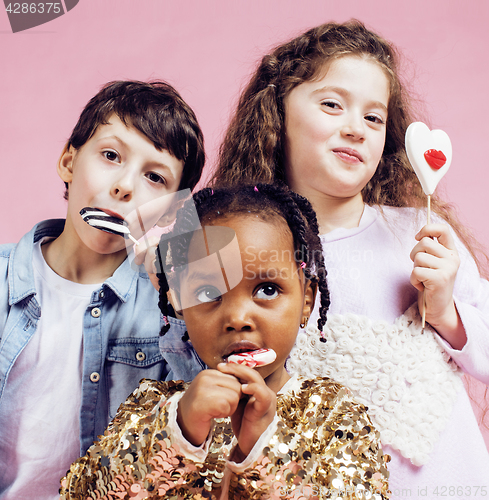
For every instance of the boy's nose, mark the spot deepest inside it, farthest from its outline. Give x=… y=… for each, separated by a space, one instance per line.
x=123 y=188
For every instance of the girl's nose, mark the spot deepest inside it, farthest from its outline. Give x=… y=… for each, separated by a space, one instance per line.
x=354 y=127
x=239 y=318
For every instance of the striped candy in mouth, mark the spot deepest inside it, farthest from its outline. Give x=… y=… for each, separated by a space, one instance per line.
x=100 y=220
x=260 y=357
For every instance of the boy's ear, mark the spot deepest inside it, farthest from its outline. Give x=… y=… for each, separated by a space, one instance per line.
x=170 y=214
x=174 y=300
x=309 y=300
x=65 y=164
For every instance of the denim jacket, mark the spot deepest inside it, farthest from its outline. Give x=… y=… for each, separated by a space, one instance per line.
x=120 y=336
x=173 y=348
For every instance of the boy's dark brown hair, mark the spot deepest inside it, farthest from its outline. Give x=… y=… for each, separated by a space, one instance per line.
x=158 y=111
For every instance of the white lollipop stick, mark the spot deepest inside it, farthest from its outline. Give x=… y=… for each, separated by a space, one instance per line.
x=260 y=357
x=430 y=154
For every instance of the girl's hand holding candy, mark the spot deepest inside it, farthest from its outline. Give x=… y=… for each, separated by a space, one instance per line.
x=430 y=154
x=211 y=395
x=436 y=263
x=256 y=408
x=231 y=390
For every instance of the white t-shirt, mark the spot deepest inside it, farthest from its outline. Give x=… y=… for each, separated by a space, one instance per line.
x=40 y=413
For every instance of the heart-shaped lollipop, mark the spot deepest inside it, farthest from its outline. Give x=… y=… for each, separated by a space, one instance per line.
x=430 y=154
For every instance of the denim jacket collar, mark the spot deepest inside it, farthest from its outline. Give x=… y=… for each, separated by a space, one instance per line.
x=21 y=274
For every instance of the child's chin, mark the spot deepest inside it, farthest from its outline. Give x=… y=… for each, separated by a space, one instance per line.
x=265 y=371
x=108 y=246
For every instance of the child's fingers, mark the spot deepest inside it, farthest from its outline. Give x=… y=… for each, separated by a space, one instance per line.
x=213 y=393
x=416 y=282
x=145 y=252
x=438 y=255
x=439 y=231
x=260 y=396
x=431 y=254
x=253 y=385
x=244 y=373
x=424 y=277
x=209 y=382
x=433 y=273
x=217 y=378
x=434 y=247
x=427 y=245
x=430 y=261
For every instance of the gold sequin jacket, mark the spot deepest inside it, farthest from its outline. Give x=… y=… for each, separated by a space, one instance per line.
x=320 y=445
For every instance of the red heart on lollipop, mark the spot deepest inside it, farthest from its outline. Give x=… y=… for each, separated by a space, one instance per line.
x=435 y=159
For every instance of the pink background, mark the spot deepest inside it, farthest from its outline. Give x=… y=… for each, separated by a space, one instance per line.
x=207 y=49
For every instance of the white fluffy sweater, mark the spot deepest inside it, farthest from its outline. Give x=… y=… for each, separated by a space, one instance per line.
x=409 y=380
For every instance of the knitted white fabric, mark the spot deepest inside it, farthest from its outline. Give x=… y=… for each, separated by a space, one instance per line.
x=399 y=372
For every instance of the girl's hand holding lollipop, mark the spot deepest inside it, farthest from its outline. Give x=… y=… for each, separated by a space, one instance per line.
x=435 y=257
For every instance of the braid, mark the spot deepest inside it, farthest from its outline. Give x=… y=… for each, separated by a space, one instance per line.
x=162 y=250
x=302 y=221
x=264 y=200
x=317 y=248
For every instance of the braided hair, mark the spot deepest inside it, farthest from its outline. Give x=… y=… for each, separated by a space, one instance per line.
x=263 y=200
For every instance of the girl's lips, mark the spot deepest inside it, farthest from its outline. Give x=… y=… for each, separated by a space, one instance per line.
x=241 y=346
x=348 y=154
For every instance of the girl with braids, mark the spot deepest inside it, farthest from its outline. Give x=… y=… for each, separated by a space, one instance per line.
x=239 y=432
x=326 y=113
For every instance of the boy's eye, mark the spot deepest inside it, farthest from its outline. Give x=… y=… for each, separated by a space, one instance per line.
x=208 y=294
x=111 y=155
x=267 y=292
x=154 y=177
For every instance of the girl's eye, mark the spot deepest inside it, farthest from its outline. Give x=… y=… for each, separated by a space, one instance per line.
x=208 y=294
x=331 y=104
x=111 y=155
x=156 y=178
x=267 y=292
x=375 y=119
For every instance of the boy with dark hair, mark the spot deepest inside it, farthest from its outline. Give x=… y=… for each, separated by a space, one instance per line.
x=78 y=324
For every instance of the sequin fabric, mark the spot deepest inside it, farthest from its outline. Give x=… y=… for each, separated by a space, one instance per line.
x=323 y=446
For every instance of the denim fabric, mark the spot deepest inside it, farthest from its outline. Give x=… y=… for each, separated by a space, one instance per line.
x=121 y=344
x=184 y=362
